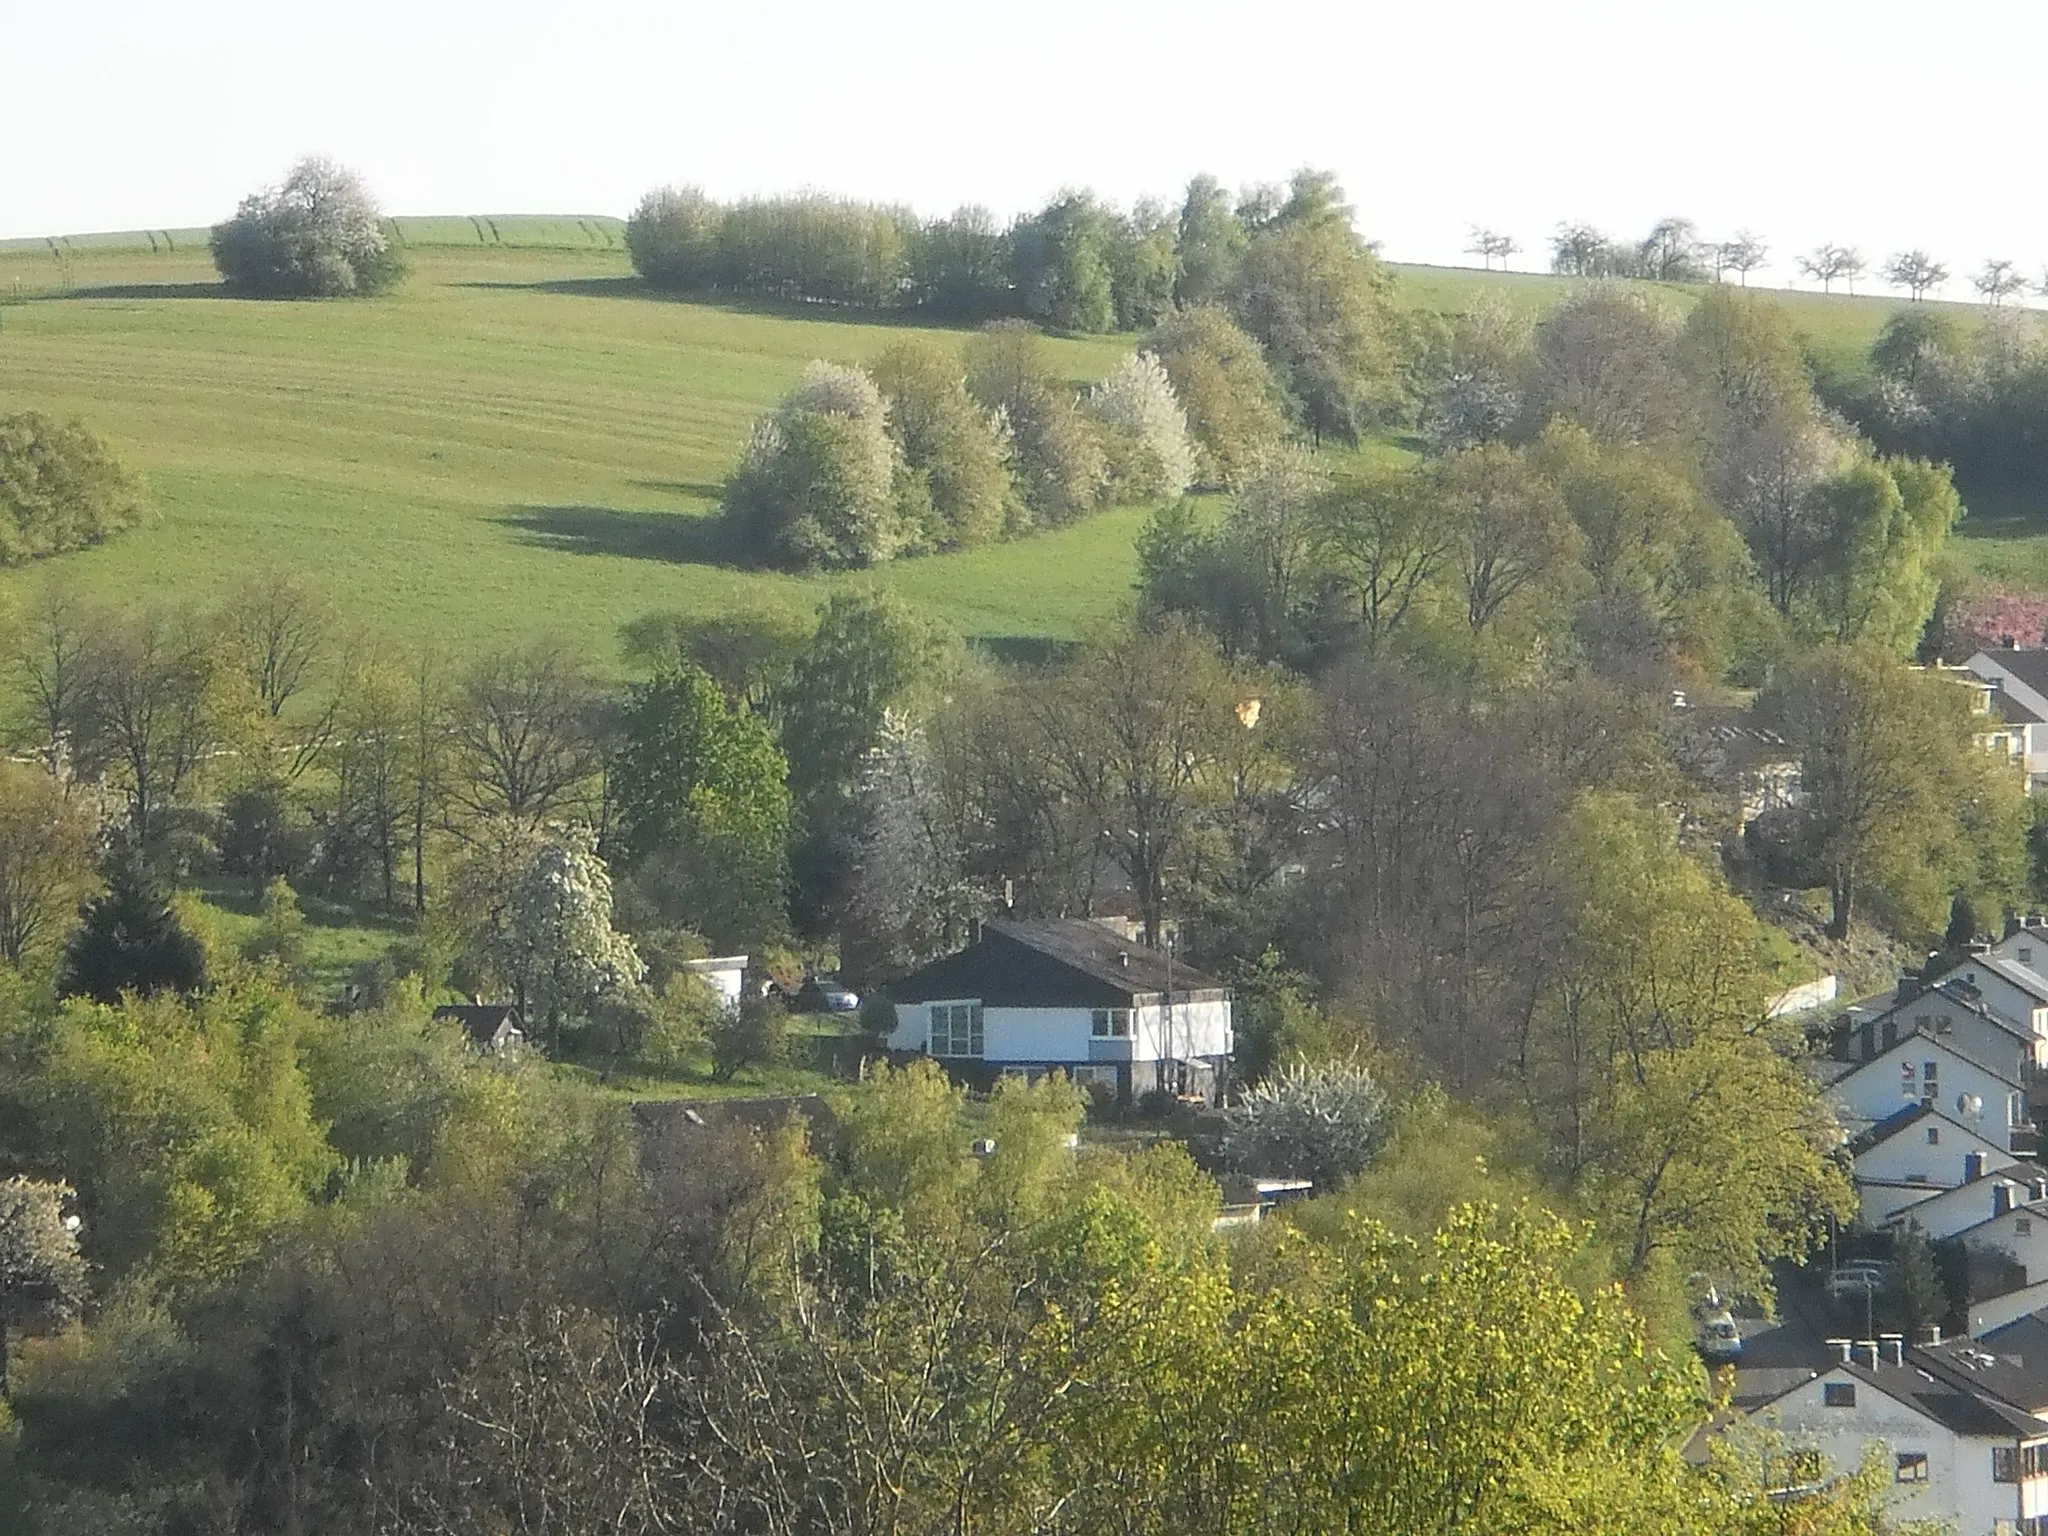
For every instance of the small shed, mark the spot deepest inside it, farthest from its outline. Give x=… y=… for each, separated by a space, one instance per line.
x=493 y=1027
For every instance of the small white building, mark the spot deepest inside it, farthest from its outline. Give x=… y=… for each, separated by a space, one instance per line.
x=1953 y=1009
x=2017 y=707
x=724 y=974
x=1987 y=1193
x=1956 y=1453
x=1069 y=994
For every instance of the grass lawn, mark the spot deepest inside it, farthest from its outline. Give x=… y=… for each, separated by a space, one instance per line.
x=519 y=442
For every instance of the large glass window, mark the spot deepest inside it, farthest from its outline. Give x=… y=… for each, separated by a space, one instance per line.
x=1110 y=1023
x=956 y=1029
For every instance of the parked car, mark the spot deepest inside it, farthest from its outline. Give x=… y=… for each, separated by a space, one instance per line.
x=1718 y=1339
x=1858 y=1278
x=821 y=994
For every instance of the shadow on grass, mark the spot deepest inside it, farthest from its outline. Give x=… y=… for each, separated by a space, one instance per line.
x=132 y=291
x=1036 y=651
x=679 y=538
x=779 y=309
x=707 y=490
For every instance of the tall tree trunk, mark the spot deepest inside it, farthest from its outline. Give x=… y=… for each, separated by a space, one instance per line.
x=1842 y=892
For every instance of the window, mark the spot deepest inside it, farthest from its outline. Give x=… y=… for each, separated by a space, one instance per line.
x=1804 y=1467
x=1110 y=1023
x=2015 y=1110
x=2023 y=1226
x=1944 y=1026
x=1934 y=1135
x=1911 y=1467
x=2005 y=1464
x=1909 y=1083
x=1838 y=1394
x=1929 y=1088
x=956 y=1029
x=2026 y=954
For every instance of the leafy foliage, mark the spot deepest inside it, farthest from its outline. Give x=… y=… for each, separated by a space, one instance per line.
x=131 y=941
x=1320 y=1122
x=316 y=235
x=60 y=489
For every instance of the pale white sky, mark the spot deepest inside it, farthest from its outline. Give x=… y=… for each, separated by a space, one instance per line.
x=1868 y=122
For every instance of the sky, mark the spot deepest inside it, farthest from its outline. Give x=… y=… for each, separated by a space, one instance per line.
x=1862 y=122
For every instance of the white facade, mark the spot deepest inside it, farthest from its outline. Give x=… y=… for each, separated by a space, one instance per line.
x=1933 y=1150
x=1960 y=1481
x=2009 y=988
x=1990 y=1315
x=1951 y=1212
x=2021 y=1234
x=1922 y=1069
x=724 y=974
x=1057 y=1036
x=2018 y=736
x=1980 y=1032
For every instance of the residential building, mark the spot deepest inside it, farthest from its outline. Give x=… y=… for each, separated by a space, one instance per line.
x=1073 y=995
x=493 y=1027
x=2017 y=683
x=1986 y=1097
x=724 y=974
x=1956 y=1452
x=1953 y=1009
x=1916 y=1154
x=2005 y=984
x=1985 y=1194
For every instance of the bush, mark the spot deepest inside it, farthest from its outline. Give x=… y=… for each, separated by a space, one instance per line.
x=673 y=239
x=280 y=936
x=947 y=439
x=318 y=235
x=1151 y=455
x=60 y=489
x=821 y=481
x=1321 y=1122
x=1231 y=399
x=756 y=1034
x=131 y=941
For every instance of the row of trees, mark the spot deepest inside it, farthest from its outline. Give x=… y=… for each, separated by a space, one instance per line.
x=1289 y=268
x=921 y=452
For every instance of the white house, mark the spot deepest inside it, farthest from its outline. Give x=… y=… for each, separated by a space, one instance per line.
x=2018 y=683
x=2018 y=1230
x=1955 y=1454
x=1987 y=1193
x=2007 y=985
x=1070 y=994
x=1915 y=1155
x=1953 y=1009
x=1928 y=1069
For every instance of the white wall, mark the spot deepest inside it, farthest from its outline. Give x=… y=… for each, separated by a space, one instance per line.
x=1957 y=1210
x=2003 y=997
x=1958 y=1486
x=1876 y=1090
x=1992 y=1041
x=2021 y=1234
x=1909 y=1155
x=1878 y=1203
x=1067 y=1034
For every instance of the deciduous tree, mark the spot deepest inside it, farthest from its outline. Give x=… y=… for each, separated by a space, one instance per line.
x=316 y=235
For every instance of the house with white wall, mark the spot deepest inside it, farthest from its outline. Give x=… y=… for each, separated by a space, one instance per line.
x=1987 y=1097
x=1952 y=1009
x=1953 y=1453
x=2018 y=704
x=1915 y=1155
x=2007 y=985
x=1987 y=1193
x=726 y=975
x=1072 y=995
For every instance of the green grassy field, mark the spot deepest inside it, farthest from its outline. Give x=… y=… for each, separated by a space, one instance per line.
x=522 y=442
x=518 y=442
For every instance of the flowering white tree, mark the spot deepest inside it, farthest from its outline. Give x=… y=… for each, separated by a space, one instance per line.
x=1321 y=1122
x=818 y=483
x=42 y=1273
x=1137 y=403
x=557 y=945
x=318 y=235
x=911 y=897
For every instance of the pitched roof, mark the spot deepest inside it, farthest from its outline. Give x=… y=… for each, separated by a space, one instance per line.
x=1954 y=1405
x=2025 y=977
x=1884 y=1130
x=1920 y=1041
x=2011 y=710
x=2030 y=667
x=2010 y=1363
x=481 y=1021
x=1051 y=963
x=1965 y=995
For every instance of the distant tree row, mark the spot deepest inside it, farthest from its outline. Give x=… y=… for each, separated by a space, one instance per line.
x=1289 y=267
x=1974 y=393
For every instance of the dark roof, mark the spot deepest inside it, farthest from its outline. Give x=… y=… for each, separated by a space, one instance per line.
x=1051 y=963
x=1965 y=995
x=2011 y=710
x=2025 y=977
x=2030 y=667
x=482 y=1021
x=2009 y=1363
x=1919 y=1038
x=1890 y=1126
x=1957 y=1407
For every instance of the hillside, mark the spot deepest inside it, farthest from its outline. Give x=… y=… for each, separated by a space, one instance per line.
x=522 y=441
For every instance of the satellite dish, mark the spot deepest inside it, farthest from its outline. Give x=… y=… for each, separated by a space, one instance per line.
x=1969 y=1104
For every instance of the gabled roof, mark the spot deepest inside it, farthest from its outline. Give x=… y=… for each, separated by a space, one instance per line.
x=2011 y=710
x=2010 y=1363
x=1051 y=963
x=2030 y=667
x=481 y=1021
x=1879 y=1132
x=1918 y=1041
x=1959 y=1408
x=2025 y=977
x=1963 y=995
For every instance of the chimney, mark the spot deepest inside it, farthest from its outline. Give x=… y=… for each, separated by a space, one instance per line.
x=1868 y=1347
x=1933 y=1335
x=1973 y=1167
x=1841 y=1347
x=2001 y=1198
x=1894 y=1347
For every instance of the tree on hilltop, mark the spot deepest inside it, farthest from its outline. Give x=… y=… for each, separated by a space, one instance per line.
x=1916 y=272
x=1998 y=281
x=318 y=235
x=1830 y=263
x=1742 y=255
